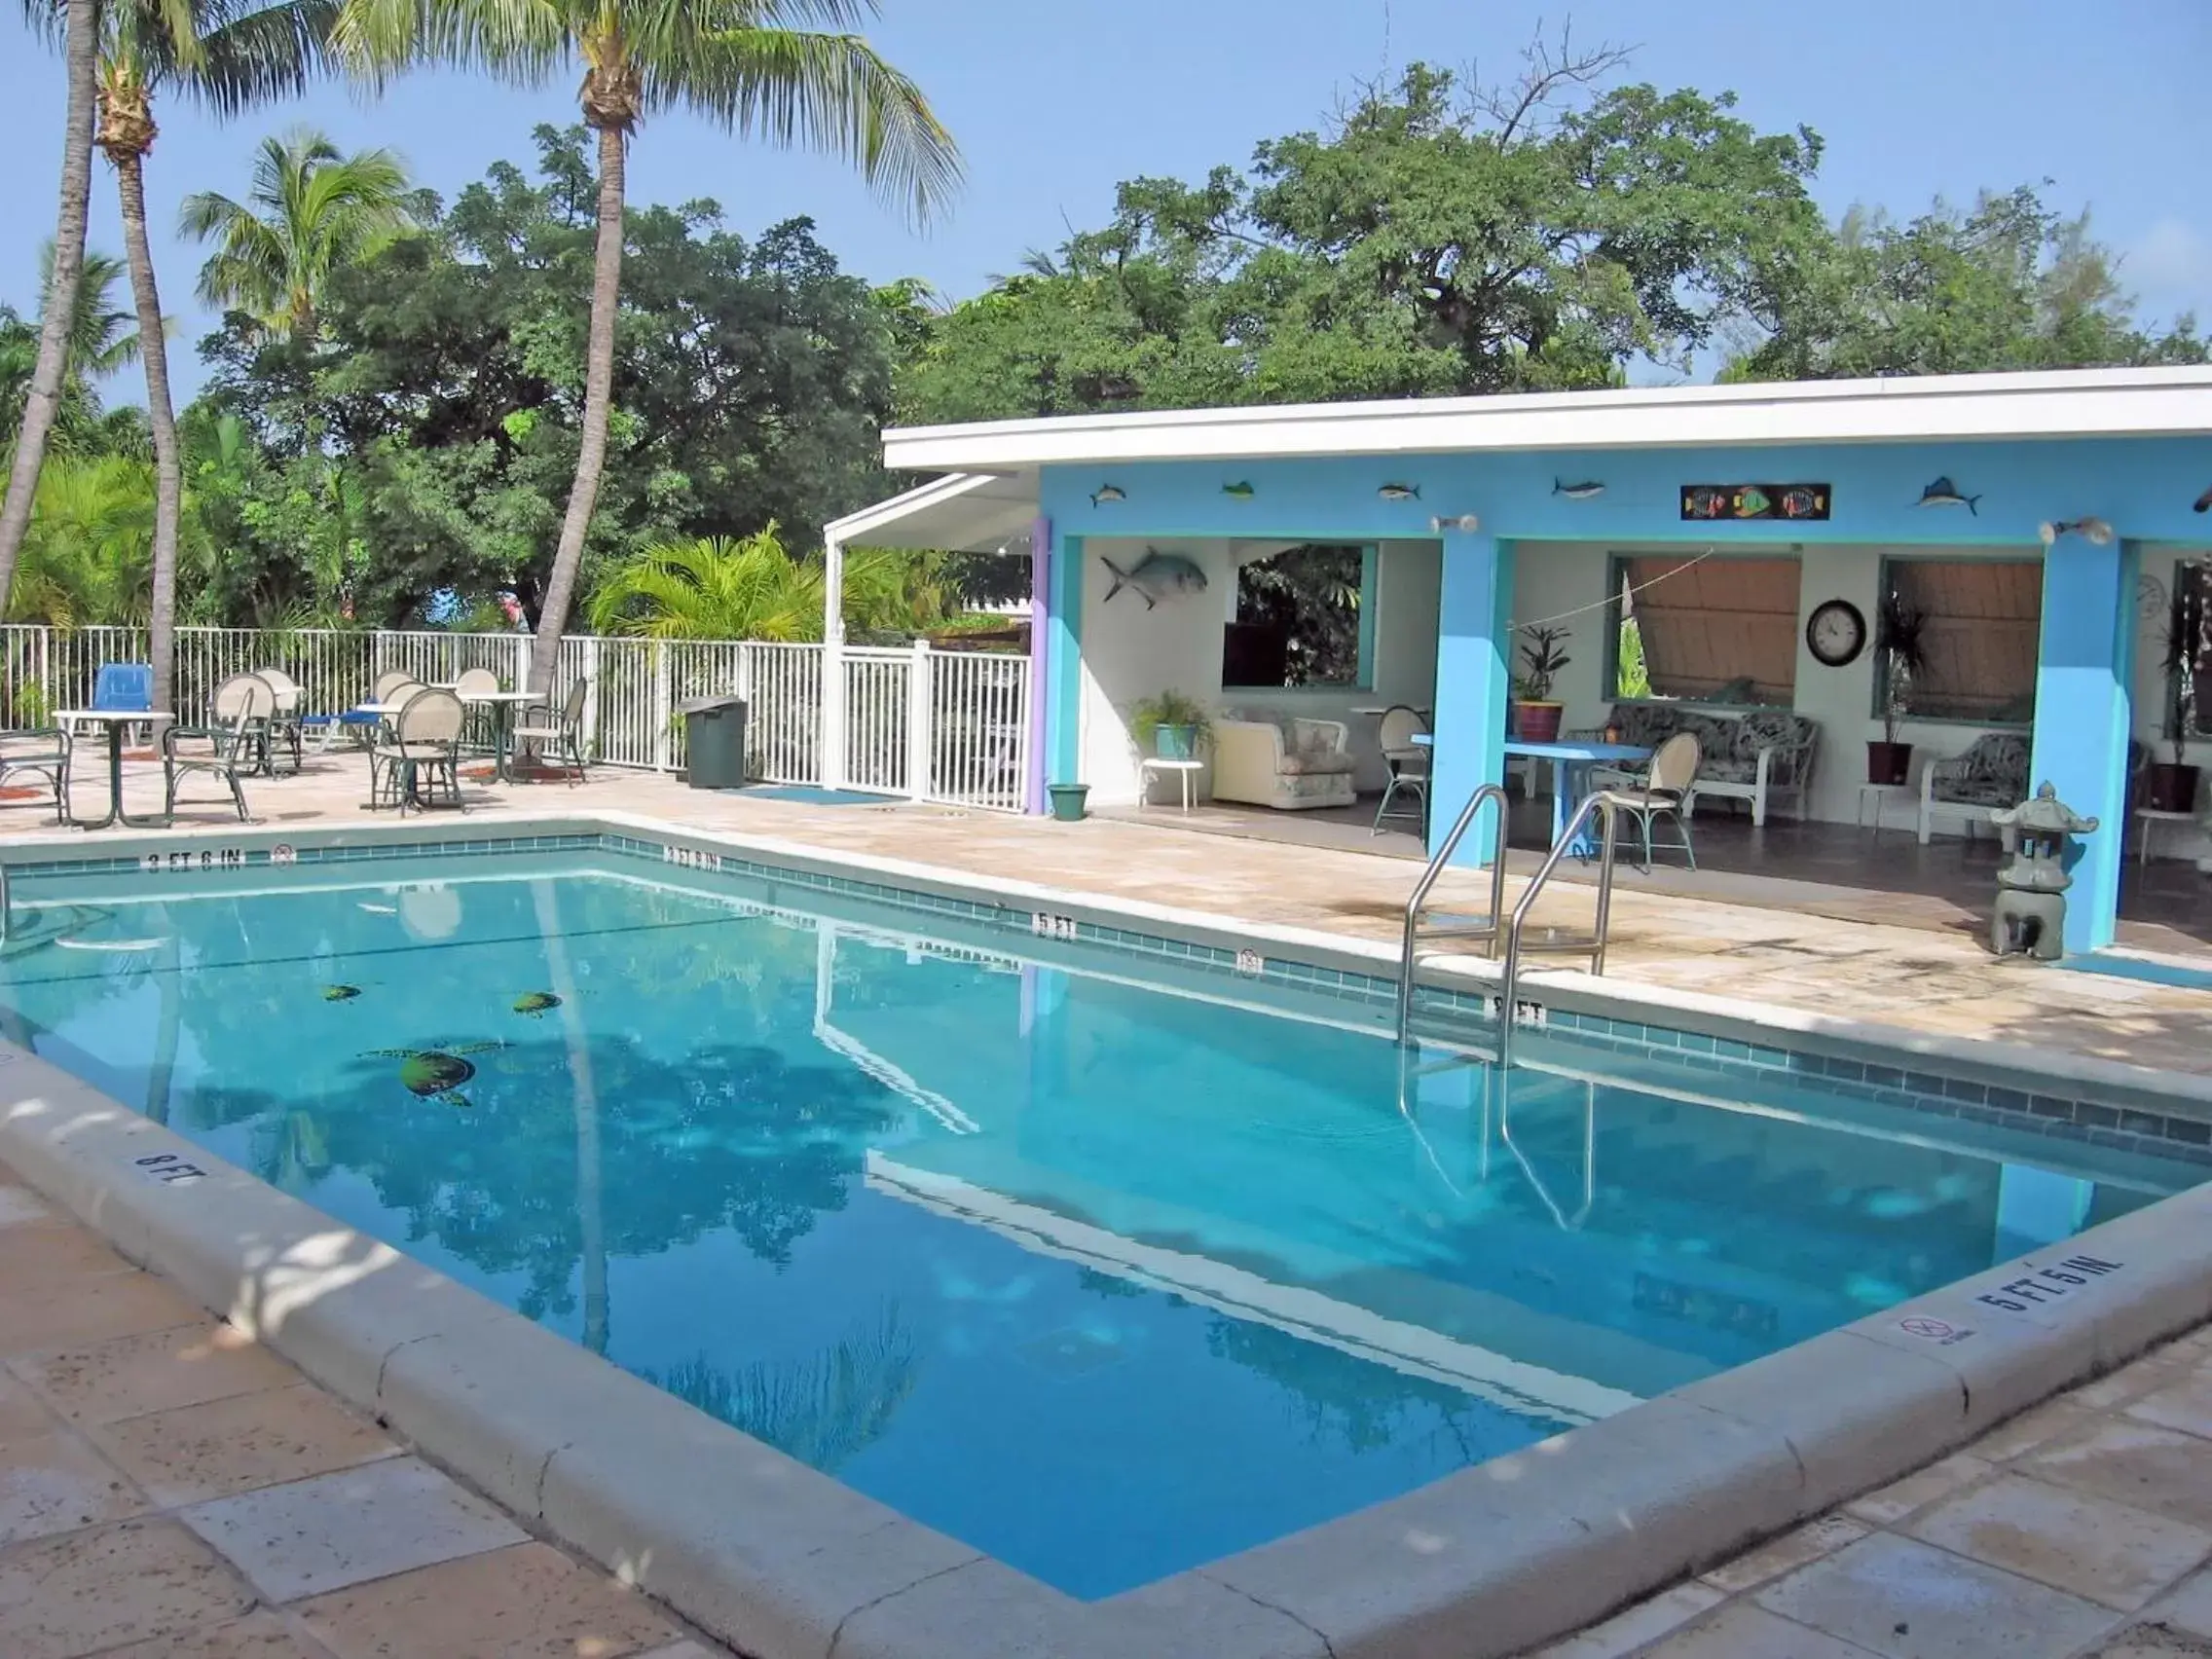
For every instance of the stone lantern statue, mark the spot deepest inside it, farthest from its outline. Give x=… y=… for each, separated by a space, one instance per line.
x=2030 y=914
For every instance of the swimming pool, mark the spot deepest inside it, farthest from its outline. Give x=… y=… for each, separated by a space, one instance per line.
x=1104 y=1271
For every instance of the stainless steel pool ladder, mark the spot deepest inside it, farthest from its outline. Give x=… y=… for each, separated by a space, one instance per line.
x=1513 y=930
x=1457 y=925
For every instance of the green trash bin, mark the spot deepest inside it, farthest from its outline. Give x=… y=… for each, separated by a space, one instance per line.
x=714 y=742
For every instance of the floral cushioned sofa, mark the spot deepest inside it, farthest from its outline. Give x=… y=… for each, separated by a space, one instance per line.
x=1757 y=755
x=1266 y=759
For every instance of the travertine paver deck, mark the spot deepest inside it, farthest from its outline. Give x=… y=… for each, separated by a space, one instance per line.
x=1900 y=975
x=168 y=1489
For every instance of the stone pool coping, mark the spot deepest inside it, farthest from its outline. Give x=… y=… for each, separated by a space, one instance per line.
x=787 y=1564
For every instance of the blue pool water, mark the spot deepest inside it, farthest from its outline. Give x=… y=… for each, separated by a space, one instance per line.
x=1103 y=1280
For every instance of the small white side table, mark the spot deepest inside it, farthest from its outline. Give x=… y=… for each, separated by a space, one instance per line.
x=2151 y=815
x=1879 y=794
x=1185 y=770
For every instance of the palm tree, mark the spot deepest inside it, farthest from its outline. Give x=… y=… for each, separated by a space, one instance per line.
x=748 y=66
x=228 y=54
x=101 y=337
x=311 y=213
x=85 y=558
x=712 y=588
x=79 y=25
x=708 y=588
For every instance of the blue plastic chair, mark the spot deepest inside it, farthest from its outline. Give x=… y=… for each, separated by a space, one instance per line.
x=123 y=686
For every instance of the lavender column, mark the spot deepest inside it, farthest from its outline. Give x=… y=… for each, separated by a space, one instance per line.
x=1040 y=654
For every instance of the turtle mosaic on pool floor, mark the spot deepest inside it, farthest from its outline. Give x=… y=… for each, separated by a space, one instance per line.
x=436 y=1074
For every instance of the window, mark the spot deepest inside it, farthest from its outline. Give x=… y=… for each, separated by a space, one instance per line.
x=1705 y=628
x=1305 y=616
x=1980 y=632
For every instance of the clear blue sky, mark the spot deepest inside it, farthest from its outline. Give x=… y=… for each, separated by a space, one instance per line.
x=1052 y=104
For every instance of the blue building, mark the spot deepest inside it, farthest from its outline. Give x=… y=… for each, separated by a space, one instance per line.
x=2039 y=525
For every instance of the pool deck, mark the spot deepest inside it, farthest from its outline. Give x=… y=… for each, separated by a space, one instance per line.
x=167 y=1487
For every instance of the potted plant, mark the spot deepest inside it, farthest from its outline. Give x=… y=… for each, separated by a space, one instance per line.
x=1899 y=649
x=1535 y=716
x=1171 y=725
x=1068 y=801
x=2172 y=784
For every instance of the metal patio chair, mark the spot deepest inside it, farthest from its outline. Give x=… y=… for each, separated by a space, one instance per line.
x=1409 y=764
x=283 y=727
x=561 y=733
x=236 y=736
x=389 y=682
x=422 y=749
x=483 y=719
x=1665 y=792
x=43 y=752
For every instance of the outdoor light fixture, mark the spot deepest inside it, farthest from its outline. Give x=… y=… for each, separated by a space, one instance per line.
x=2093 y=529
x=1465 y=521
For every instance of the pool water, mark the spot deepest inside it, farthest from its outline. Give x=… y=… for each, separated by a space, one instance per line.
x=1103 y=1280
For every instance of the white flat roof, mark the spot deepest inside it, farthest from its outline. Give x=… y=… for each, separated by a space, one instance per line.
x=2073 y=403
x=984 y=512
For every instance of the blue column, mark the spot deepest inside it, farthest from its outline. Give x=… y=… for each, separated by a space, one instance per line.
x=1474 y=652
x=1062 y=690
x=2084 y=712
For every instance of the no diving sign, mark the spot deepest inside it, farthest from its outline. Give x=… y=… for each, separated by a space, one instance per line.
x=1941 y=1332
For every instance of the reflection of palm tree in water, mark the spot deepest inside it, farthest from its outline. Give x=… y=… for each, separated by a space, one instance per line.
x=822 y=1411
x=591 y=1214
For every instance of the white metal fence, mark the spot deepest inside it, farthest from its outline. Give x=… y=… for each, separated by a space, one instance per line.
x=930 y=724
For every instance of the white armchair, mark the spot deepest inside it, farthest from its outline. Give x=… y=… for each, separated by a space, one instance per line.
x=1291 y=764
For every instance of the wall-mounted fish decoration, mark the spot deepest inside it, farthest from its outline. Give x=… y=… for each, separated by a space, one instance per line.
x=1400 y=491
x=1590 y=488
x=1801 y=503
x=1108 y=493
x=2094 y=531
x=1238 y=491
x=1946 y=494
x=1157 y=576
x=2205 y=502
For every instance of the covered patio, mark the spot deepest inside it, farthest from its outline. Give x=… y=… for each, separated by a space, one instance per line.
x=1723 y=560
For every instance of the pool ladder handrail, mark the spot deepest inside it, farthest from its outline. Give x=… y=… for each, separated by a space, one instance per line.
x=1606 y=804
x=1486 y=929
x=1499 y=926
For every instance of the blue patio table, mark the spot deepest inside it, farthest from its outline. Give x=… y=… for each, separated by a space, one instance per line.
x=1570 y=777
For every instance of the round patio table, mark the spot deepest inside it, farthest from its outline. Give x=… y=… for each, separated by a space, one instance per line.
x=115 y=720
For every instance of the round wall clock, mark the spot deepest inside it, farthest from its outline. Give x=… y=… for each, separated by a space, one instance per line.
x=1835 y=633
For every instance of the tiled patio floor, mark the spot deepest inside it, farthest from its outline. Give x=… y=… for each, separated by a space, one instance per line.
x=170 y=1491
x=1872 y=970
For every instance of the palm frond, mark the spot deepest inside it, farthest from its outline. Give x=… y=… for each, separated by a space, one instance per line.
x=825 y=91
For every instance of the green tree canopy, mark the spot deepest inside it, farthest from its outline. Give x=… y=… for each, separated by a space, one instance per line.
x=1435 y=239
x=448 y=374
x=2009 y=284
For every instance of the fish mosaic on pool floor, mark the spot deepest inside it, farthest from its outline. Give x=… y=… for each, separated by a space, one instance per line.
x=536 y=1004
x=436 y=1074
x=339 y=994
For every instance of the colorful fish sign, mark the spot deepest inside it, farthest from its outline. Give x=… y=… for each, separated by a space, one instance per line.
x=1708 y=502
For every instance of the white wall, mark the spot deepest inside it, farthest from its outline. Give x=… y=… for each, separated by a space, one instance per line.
x=1129 y=653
